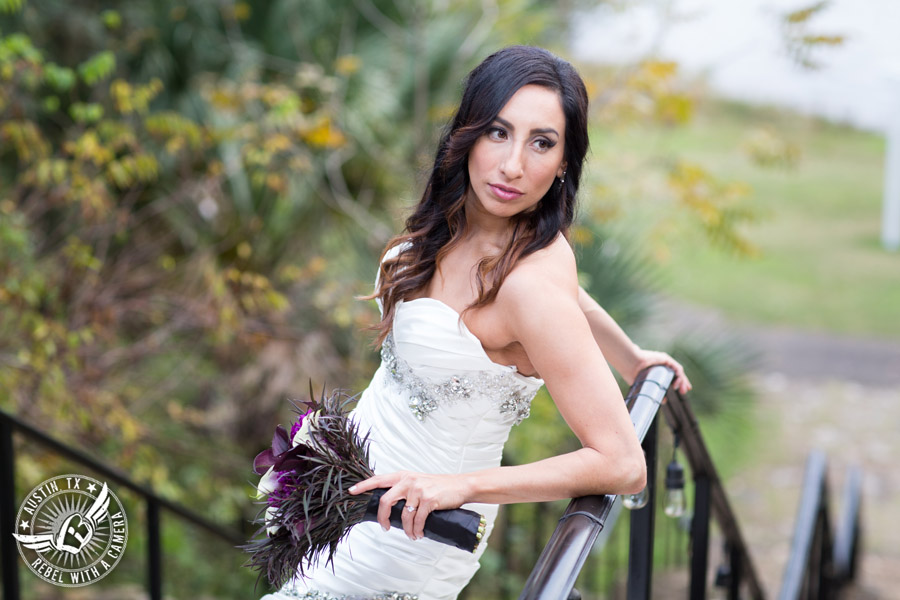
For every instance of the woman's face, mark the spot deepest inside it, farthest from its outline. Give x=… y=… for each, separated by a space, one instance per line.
x=516 y=161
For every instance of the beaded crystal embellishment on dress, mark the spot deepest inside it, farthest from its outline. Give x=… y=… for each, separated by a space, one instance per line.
x=425 y=397
x=290 y=591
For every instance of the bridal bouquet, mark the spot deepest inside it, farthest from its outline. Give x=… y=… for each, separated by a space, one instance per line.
x=306 y=475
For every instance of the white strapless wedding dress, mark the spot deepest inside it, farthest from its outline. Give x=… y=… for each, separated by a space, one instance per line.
x=437 y=404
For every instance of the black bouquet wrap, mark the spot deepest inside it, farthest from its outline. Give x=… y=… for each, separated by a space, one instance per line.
x=459 y=527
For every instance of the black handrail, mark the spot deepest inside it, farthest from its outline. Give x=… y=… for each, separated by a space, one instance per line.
x=822 y=561
x=710 y=500
x=554 y=574
x=8 y=561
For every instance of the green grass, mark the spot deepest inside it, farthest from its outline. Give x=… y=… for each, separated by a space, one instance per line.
x=821 y=266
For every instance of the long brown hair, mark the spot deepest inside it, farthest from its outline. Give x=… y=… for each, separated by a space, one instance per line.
x=439 y=220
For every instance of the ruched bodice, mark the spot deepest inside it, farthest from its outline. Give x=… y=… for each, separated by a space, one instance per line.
x=437 y=404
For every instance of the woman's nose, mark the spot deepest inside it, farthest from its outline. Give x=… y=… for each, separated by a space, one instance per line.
x=512 y=166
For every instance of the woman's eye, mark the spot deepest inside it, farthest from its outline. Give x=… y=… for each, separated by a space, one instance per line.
x=544 y=144
x=496 y=133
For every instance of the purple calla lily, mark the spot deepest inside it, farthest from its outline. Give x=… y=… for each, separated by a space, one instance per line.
x=280 y=441
x=263 y=461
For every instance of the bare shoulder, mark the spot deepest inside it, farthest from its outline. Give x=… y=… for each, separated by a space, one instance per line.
x=541 y=280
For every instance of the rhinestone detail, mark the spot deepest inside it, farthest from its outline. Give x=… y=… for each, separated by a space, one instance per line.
x=425 y=397
x=290 y=591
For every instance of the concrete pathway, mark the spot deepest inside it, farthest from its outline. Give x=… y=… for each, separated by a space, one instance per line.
x=854 y=425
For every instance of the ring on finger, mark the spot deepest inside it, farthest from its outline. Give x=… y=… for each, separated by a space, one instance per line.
x=411 y=508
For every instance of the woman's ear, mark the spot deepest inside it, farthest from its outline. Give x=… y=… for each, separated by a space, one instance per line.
x=561 y=172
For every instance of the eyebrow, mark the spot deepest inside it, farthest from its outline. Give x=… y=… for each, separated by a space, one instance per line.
x=509 y=125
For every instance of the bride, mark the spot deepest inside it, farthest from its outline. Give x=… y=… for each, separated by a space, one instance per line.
x=481 y=307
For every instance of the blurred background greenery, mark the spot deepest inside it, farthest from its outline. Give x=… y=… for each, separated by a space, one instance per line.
x=193 y=193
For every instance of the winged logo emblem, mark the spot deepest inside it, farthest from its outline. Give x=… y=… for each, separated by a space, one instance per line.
x=76 y=531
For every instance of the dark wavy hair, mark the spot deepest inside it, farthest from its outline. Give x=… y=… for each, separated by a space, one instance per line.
x=439 y=220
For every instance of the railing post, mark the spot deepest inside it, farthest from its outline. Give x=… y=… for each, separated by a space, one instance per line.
x=10 y=566
x=847 y=532
x=734 y=584
x=700 y=537
x=154 y=551
x=640 y=552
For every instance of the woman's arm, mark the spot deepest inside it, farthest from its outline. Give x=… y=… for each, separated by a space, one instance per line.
x=625 y=356
x=539 y=307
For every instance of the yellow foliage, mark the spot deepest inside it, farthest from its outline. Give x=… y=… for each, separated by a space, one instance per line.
x=276 y=182
x=276 y=300
x=51 y=172
x=177 y=130
x=799 y=41
x=260 y=281
x=277 y=142
x=802 y=15
x=25 y=137
x=224 y=98
x=94 y=199
x=122 y=92
x=674 y=108
x=767 y=148
x=275 y=95
x=826 y=40
x=167 y=262
x=347 y=64
x=81 y=255
x=215 y=168
x=299 y=162
x=174 y=145
x=290 y=274
x=132 y=169
x=87 y=147
x=118 y=174
x=441 y=112
x=718 y=205
x=129 y=429
x=659 y=70
x=324 y=135
x=580 y=235
x=316 y=266
x=650 y=91
x=239 y=11
x=138 y=99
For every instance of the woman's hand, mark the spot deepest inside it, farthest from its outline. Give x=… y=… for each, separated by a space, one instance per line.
x=648 y=358
x=424 y=492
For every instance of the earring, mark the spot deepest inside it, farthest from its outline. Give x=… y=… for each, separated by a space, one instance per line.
x=563 y=178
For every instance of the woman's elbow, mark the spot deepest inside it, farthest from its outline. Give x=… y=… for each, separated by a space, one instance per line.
x=633 y=474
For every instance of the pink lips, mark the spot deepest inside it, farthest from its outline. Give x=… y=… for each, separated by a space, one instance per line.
x=503 y=192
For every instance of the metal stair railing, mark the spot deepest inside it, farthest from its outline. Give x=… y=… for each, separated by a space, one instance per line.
x=821 y=562
x=554 y=574
x=556 y=569
x=153 y=503
x=710 y=501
